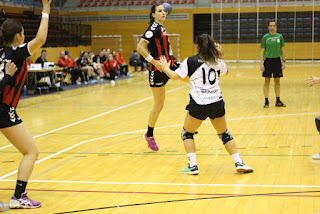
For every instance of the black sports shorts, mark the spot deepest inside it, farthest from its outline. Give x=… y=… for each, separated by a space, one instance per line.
x=272 y=68
x=158 y=78
x=8 y=116
x=215 y=112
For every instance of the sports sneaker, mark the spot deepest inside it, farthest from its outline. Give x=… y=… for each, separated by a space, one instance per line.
x=112 y=82
x=190 y=170
x=266 y=105
x=3 y=206
x=316 y=156
x=151 y=142
x=24 y=202
x=242 y=167
x=280 y=104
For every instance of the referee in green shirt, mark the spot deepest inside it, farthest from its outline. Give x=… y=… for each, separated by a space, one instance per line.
x=272 y=48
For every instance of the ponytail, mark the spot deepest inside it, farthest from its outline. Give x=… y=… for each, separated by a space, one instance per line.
x=208 y=51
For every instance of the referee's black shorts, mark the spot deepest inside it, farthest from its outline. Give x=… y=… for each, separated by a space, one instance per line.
x=8 y=116
x=272 y=68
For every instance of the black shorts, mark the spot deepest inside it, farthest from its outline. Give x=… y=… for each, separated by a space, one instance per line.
x=216 y=110
x=8 y=116
x=272 y=68
x=157 y=78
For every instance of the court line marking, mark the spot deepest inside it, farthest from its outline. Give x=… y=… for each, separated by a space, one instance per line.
x=189 y=199
x=96 y=116
x=120 y=134
x=168 y=184
x=149 y=193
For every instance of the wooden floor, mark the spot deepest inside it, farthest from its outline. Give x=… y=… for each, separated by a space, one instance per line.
x=93 y=158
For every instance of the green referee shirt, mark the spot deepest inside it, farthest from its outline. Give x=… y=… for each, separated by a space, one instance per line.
x=272 y=45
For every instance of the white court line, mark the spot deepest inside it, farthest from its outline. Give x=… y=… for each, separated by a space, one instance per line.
x=169 y=184
x=120 y=134
x=99 y=115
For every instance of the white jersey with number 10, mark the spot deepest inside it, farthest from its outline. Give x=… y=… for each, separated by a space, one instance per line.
x=204 y=79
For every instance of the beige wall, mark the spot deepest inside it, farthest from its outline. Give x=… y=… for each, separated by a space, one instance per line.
x=185 y=29
x=54 y=53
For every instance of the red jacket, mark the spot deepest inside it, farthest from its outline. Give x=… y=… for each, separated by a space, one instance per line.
x=67 y=63
x=108 y=65
x=120 y=59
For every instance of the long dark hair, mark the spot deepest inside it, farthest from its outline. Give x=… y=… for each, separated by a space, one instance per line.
x=8 y=30
x=208 y=51
x=152 y=10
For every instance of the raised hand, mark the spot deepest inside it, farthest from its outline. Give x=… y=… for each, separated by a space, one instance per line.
x=46 y=6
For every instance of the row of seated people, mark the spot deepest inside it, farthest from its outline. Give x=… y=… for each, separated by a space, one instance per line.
x=91 y=68
x=85 y=69
x=131 y=3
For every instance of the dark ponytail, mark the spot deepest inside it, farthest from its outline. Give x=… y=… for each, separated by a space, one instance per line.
x=8 y=30
x=208 y=51
x=153 y=10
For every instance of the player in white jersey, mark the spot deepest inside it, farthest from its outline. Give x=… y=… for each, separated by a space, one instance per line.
x=206 y=100
x=312 y=81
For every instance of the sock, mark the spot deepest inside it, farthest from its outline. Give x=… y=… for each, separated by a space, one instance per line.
x=20 y=188
x=267 y=100
x=278 y=98
x=236 y=158
x=150 y=132
x=192 y=159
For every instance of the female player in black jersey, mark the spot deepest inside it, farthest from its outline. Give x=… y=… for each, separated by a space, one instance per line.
x=16 y=51
x=152 y=45
x=10 y=70
x=206 y=100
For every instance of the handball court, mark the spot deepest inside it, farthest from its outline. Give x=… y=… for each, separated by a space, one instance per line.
x=93 y=158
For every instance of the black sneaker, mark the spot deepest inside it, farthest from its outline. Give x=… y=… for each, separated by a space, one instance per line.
x=266 y=105
x=280 y=104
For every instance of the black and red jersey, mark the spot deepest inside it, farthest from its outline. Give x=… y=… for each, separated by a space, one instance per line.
x=10 y=94
x=159 y=43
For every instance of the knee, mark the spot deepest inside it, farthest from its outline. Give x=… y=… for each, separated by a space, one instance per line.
x=186 y=135
x=158 y=107
x=34 y=153
x=225 y=137
x=267 y=81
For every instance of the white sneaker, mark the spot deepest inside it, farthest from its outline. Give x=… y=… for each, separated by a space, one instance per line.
x=112 y=82
x=78 y=83
x=316 y=156
x=3 y=206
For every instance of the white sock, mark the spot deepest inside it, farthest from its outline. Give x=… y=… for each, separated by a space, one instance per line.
x=236 y=158
x=192 y=159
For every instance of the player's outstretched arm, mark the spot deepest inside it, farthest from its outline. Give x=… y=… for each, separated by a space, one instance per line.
x=41 y=36
x=165 y=67
x=142 y=48
x=313 y=80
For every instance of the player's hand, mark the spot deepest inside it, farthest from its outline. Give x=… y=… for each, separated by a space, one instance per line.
x=46 y=6
x=11 y=68
x=262 y=67
x=163 y=64
x=283 y=65
x=313 y=80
